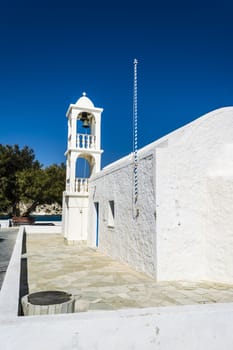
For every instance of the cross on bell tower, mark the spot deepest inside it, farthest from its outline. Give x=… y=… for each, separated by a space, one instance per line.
x=84 y=122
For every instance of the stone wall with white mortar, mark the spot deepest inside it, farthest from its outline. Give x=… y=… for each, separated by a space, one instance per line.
x=131 y=238
x=184 y=227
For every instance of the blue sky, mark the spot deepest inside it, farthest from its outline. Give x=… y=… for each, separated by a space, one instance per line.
x=53 y=50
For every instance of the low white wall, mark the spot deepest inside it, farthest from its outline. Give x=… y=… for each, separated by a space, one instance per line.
x=4 y=223
x=9 y=293
x=204 y=327
x=131 y=235
x=55 y=223
x=43 y=229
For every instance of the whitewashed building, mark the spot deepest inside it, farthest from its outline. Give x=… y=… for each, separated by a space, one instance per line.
x=181 y=225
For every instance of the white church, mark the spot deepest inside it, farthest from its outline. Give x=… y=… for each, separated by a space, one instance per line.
x=180 y=226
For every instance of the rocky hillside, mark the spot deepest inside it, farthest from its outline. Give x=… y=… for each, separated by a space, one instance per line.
x=44 y=209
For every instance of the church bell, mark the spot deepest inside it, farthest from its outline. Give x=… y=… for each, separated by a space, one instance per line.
x=85 y=119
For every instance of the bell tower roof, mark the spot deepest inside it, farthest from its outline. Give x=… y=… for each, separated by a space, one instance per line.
x=84 y=102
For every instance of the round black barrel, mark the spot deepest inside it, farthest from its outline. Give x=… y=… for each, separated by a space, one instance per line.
x=48 y=297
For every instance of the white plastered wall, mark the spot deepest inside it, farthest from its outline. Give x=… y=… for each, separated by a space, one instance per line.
x=219 y=219
x=76 y=221
x=184 y=230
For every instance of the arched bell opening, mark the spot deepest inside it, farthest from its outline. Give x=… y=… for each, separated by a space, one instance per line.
x=86 y=131
x=84 y=167
x=90 y=163
x=85 y=123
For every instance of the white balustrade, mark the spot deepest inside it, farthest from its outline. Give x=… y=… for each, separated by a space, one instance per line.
x=81 y=185
x=85 y=141
x=67 y=186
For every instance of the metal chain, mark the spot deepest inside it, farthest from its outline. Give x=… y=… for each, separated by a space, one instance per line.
x=135 y=131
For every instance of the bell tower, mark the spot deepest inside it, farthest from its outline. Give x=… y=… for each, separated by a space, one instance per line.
x=83 y=159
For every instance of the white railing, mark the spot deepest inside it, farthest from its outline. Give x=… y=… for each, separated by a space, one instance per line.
x=81 y=185
x=85 y=141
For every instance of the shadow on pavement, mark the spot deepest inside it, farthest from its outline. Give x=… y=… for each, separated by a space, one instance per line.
x=23 y=275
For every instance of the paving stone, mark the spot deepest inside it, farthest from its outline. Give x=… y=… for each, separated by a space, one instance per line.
x=101 y=283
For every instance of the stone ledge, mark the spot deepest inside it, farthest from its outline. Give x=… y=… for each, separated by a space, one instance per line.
x=9 y=294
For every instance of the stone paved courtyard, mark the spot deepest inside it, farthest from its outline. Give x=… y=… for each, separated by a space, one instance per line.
x=101 y=283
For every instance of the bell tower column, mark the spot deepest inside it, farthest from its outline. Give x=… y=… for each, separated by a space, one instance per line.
x=84 y=124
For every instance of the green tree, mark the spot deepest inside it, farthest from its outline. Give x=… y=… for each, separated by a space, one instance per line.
x=12 y=161
x=41 y=186
x=22 y=179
